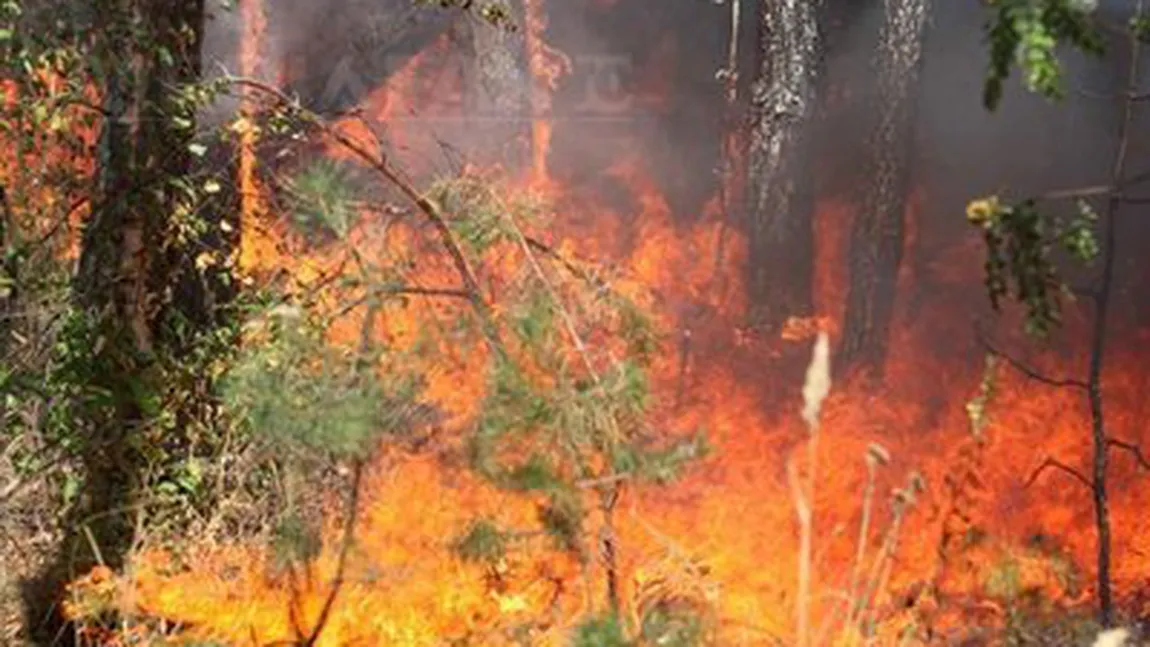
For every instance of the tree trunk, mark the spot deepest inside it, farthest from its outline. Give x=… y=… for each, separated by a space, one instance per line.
x=779 y=186
x=126 y=285
x=878 y=231
x=496 y=86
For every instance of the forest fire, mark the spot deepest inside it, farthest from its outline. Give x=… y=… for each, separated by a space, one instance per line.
x=947 y=497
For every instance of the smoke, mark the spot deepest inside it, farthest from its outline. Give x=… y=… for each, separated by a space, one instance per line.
x=643 y=81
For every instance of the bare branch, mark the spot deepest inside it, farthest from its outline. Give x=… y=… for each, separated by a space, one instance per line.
x=456 y=293
x=1134 y=450
x=1051 y=463
x=382 y=165
x=564 y=313
x=610 y=479
x=567 y=263
x=344 y=552
x=1098 y=190
x=1026 y=369
x=1075 y=194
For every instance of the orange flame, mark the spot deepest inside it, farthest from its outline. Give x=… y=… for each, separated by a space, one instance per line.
x=546 y=66
x=734 y=512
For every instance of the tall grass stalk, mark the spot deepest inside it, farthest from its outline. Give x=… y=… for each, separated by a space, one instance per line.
x=815 y=389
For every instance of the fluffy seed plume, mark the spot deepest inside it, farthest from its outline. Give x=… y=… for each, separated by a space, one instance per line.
x=877 y=454
x=1113 y=638
x=818 y=382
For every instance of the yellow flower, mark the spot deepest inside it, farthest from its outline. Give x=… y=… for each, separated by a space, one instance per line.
x=980 y=212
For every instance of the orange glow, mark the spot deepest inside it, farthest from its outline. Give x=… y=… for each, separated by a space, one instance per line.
x=732 y=514
x=546 y=66
x=255 y=244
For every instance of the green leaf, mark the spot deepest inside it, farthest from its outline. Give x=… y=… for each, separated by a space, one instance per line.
x=537 y=474
x=600 y=632
x=483 y=542
x=562 y=518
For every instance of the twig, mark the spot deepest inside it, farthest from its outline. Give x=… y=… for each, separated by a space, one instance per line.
x=344 y=551
x=1055 y=464
x=567 y=263
x=880 y=571
x=1026 y=369
x=402 y=291
x=1073 y=194
x=1135 y=450
x=380 y=163
x=568 y=320
x=864 y=530
x=610 y=479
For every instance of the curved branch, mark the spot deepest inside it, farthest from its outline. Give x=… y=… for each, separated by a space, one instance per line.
x=344 y=551
x=1133 y=449
x=1026 y=369
x=380 y=163
x=1051 y=463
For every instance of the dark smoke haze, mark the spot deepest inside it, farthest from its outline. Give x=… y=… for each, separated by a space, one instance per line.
x=332 y=53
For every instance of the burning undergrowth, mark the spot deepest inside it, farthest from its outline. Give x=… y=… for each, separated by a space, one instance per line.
x=536 y=404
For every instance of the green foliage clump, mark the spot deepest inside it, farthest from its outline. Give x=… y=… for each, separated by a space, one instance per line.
x=604 y=631
x=483 y=542
x=297 y=541
x=671 y=627
x=1020 y=243
x=323 y=199
x=297 y=390
x=1140 y=27
x=1028 y=33
x=481 y=218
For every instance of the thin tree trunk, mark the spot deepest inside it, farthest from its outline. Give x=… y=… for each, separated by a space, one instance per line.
x=780 y=188
x=1109 y=252
x=878 y=231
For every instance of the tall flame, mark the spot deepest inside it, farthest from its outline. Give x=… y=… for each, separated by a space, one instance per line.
x=546 y=67
x=252 y=204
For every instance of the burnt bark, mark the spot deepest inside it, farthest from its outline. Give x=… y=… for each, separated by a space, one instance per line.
x=877 y=235
x=496 y=83
x=779 y=185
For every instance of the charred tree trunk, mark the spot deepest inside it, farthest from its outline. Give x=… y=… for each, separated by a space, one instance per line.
x=878 y=231
x=126 y=286
x=779 y=183
x=496 y=86
x=342 y=51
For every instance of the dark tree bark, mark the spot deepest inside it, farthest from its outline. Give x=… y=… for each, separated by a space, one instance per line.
x=496 y=85
x=131 y=280
x=338 y=52
x=878 y=231
x=779 y=184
